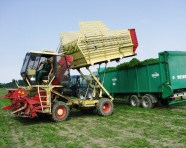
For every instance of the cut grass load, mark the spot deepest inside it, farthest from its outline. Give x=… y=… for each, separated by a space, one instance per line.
x=127 y=127
x=132 y=63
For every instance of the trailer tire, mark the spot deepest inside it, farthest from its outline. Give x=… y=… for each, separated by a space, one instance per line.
x=105 y=107
x=134 y=101
x=153 y=98
x=60 y=111
x=147 y=102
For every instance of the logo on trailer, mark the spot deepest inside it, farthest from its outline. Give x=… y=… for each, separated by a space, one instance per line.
x=181 y=76
x=155 y=75
x=114 y=81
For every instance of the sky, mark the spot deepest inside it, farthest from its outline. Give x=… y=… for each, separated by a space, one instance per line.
x=36 y=25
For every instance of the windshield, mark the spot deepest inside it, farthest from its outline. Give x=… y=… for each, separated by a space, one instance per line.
x=31 y=66
x=25 y=63
x=31 y=62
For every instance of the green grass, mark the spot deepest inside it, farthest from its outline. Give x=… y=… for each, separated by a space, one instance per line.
x=127 y=127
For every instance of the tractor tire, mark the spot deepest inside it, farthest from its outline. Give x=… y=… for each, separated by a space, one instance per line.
x=147 y=102
x=134 y=101
x=60 y=111
x=105 y=107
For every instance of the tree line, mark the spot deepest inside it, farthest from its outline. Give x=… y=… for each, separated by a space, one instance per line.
x=12 y=84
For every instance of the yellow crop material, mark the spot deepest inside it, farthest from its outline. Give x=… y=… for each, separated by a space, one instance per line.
x=96 y=43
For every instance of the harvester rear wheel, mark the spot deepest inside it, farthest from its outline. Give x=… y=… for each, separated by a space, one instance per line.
x=147 y=102
x=105 y=107
x=60 y=111
x=134 y=101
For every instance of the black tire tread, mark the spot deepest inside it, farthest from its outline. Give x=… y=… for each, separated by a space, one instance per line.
x=100 y=104
x=138 y=101
x=59 y=103
x=151 y=105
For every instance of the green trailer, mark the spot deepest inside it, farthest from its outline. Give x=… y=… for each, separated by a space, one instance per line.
x=163 y=81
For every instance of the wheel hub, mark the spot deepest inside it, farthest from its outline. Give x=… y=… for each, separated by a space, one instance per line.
x=133 y=102
x=106 y=107
x=60 y=112
x=145 y=103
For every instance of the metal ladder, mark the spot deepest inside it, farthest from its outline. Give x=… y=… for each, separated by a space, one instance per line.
x=43 y=107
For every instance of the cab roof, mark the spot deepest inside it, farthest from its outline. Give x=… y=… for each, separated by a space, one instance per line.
x=45 y=52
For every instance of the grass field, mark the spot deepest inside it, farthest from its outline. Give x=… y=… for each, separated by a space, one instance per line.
x=127 y=127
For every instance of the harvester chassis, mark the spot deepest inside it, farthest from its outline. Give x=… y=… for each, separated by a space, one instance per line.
x=49 y=101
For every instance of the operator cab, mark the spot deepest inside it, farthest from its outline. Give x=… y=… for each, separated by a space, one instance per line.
x=32 y=62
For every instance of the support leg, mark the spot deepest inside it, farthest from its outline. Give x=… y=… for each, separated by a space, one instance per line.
x=102 y=87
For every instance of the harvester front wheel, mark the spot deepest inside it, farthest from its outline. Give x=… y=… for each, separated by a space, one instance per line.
x=105 y=107
x=60 y=111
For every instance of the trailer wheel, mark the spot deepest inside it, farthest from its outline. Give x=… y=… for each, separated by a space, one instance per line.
x=147 y=102
x=134 y=101
x=60 y=111
x=105 y=107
